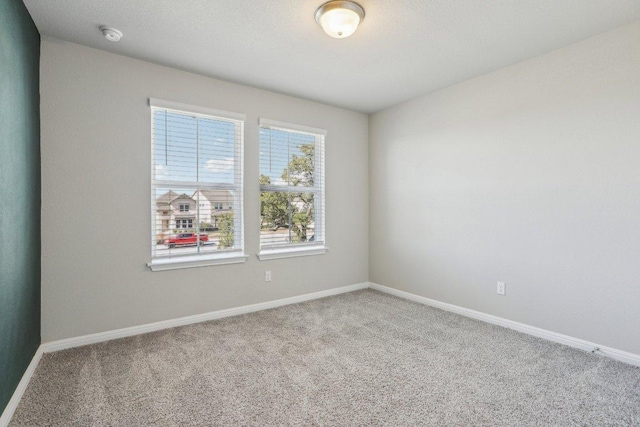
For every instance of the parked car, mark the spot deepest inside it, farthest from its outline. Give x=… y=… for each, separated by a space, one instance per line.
x=185 y=239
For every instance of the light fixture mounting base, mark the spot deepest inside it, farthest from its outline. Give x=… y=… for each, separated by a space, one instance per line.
x=111 y=34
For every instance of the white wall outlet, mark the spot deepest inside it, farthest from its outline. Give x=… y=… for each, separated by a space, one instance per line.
x=267 y=276
x=502 y=288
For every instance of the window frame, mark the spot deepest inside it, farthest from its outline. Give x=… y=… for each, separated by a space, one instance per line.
x=233 y=256
x=268 y=252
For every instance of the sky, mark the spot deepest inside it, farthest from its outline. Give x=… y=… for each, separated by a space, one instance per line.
x=177 y=154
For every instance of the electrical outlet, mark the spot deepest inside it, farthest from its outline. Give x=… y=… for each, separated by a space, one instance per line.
x=267 y=276
x=502 y=288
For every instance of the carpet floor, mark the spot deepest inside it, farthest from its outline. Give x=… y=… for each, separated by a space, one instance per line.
x=357 y=359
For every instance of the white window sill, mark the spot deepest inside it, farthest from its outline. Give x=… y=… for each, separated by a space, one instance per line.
x=162 y=264
x=291 y=252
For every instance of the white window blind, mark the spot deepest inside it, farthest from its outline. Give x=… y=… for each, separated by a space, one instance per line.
x=292 y=210
x=196 y=169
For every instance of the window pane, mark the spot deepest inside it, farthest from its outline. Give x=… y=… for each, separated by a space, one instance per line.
x=175 y=149
x=287 y=158
x=293 y=163
x=199 y=229
x=193 y=149
x=216 y=151
x=286 y=218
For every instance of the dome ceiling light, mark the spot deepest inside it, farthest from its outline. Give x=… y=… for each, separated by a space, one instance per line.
x=340 y=19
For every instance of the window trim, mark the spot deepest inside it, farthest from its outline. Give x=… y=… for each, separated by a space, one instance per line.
x=207 y=259
x=275 y=124
x=269 y=252
x=189 y=261
x=291 y=252
x=195 y=109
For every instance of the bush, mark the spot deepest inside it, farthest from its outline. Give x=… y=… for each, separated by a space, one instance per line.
x=225 y=225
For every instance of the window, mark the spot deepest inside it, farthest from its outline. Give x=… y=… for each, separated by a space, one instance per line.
x=196 y=155
x=218 y=206
x=291 y=190
x=184 y=223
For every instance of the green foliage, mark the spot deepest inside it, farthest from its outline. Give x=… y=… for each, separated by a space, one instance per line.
x=301 y=211
x=273 y=207
x=225 y=225
x=301 y=168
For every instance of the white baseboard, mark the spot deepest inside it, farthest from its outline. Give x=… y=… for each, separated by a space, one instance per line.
x=623 y=356
x=166 y=324
x=19 y=391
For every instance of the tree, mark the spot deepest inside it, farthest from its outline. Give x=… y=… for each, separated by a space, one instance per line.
x=225 y=225
x=273 y=206
x=291 y=210
x=301 y=168
x=301 y=215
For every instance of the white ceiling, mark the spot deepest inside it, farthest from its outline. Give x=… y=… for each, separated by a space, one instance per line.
x=403 y=49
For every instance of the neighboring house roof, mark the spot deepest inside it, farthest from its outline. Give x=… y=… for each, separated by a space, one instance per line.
x=211 y=195
x=216 y=195
x=171 y=196
x=167 y=197
x=183 y=197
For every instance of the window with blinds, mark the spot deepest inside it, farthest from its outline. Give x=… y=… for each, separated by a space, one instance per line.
x=291 y=187
x=196 y=194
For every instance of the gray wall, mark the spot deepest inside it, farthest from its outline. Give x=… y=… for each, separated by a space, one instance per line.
x=528 y=175
x=19 y=195
x=96 y=217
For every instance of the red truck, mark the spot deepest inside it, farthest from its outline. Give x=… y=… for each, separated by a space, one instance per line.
x=185 y=239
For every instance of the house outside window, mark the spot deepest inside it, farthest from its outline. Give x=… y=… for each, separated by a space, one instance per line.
x=292 y=190
x=196 y=157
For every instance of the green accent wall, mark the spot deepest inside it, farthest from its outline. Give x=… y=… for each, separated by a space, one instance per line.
x=19 y=194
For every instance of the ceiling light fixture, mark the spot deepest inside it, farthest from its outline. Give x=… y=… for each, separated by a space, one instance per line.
x=111 y=34
x=339 y=19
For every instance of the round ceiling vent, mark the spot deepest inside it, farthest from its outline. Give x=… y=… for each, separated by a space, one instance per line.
x=111 y=34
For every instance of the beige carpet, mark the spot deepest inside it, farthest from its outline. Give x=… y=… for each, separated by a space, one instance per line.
x=363 y=358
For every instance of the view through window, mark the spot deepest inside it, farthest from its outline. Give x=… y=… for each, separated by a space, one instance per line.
x=291 y=188
x=196 y=183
